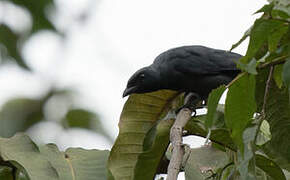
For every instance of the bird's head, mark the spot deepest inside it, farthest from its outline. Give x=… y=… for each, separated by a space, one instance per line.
x=142 y=81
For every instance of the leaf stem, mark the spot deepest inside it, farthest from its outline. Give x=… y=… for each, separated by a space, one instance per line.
x=276 y=61
x=236 y=78
x=224 y=168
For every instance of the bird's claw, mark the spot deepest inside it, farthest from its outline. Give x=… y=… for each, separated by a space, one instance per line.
x=191 y=101
x=194 y=112
x=192 y=108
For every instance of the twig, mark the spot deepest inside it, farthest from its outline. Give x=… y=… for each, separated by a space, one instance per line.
x=267 y=90
x=263 y=115
x=174 y=166
x=276 y=61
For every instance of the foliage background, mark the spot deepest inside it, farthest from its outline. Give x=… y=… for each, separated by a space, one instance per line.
x=97 y=47
x=53 y=50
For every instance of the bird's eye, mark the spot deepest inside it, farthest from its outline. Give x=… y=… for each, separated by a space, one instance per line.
x=142 y=75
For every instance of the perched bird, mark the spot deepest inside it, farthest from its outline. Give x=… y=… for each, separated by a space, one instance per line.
x=189 y=69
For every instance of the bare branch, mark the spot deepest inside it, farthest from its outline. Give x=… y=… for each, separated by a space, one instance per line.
x=183 y=117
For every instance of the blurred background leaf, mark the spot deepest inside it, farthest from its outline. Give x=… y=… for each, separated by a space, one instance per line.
x=39 y=13
x=9 y=46
x=81 y=118
x=20 y=114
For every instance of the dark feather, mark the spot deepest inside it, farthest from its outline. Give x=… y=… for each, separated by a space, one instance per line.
x=195 y=69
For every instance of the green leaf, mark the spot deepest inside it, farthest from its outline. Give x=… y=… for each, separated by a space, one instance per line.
x=278 y=75
x=11 y=42
x=260 y=32
x=275 y=37
x=250 y=67
x=81 y=118
x=140 y=113
x=38 y=10
x=281 y=11
x=24 y=154
x=246 y=34
x=264 y=134
x=213 y=101
x=240 y=107
x=149 y=160
x=269 y=167
x=220 y=134
x=77 y=163
x=48 y=163
x=286 y=72
x=19 y=114
x=266 y=8
x=246 y=165
x=204 y=162
x=6 y=173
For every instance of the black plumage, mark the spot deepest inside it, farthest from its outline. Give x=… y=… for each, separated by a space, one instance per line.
x=196 y=69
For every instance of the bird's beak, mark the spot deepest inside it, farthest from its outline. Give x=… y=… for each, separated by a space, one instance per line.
x=129 y=90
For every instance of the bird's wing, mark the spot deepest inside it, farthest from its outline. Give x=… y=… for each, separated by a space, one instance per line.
x=199 y=60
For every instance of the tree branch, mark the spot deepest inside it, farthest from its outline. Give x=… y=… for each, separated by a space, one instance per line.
x=182 y=118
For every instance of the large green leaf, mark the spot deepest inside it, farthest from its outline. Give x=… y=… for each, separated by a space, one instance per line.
x=204 y=162
x=260 y=32
x=48 y=163
x=140 y=113
x=240 y=107
x=25 y=155
x=77 y=163
x=149 y=160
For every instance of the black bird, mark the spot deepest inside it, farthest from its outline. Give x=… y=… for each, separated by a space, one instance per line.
x=189 y=69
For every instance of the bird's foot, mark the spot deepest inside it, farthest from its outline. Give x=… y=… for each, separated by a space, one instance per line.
x=191 y=101
x=186 y=106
